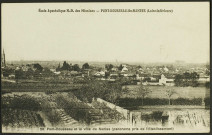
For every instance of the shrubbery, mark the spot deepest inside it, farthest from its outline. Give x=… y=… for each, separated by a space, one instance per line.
x=207 y=101
x=99 y=89
x=184 y=101
x=187 y=79
x=108 y=113
x=77 y=110
x=23 y=102
x=20 y=111
x=132 y=102
x=155 y=115
x=18 y=118
x=51 y=113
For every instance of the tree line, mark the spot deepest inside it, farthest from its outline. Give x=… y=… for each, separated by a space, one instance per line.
x=93 y=89
x=187 y=79
x=70 y=67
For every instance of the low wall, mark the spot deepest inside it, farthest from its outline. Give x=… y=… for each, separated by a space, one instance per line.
x=121 y=110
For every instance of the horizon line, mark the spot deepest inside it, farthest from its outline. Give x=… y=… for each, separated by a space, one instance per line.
x=105 y=61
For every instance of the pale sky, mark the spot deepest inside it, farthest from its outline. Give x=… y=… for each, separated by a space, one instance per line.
x=132 y=37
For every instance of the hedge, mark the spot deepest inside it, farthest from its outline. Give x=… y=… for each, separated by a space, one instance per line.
x=134 y=102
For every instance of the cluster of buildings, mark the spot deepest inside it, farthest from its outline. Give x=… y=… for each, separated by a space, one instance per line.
x=150 y=75
x=147 y=74
x=136 y=75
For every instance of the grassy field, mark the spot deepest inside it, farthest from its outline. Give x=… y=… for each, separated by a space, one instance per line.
x=160 y=92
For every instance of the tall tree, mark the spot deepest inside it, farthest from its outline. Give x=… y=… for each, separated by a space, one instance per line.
x=120 y=67
x=143 y=91
x=112 y=92
x=7 y=71
x=38 y=67
x=108 y=67
x=29 y=73
x=85 y=66
x=98 y=89
x=65 y=66
x=187 y=79
x=178 y=80
x=169 y=93
x=107 y=74
x=19 y=74
x=194 y=79
x=76 y=67
x=47 y=72
x=207 y=84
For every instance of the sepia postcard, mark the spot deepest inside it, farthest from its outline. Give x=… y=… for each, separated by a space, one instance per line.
x=109 y=67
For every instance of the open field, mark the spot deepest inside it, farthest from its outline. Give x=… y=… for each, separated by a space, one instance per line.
x=160 y=92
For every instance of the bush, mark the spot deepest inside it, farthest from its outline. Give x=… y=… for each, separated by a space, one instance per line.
x=207 y=101
x=155 y=101
x=207 y=84
x=98 y=89
x=156 y=115
x=183 y=101
x=108 y=113
x=49 y=92
x=134 y=102
x=17 y=118
x=77 y=110
x=52 y=116
x=23 y=102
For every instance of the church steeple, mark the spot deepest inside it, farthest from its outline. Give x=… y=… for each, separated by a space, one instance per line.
x=3 y=61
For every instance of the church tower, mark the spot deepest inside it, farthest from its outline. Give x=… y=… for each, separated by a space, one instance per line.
x=3 y=61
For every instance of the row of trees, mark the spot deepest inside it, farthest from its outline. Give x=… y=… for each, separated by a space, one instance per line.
x=187 y=79
x=112 y=91
x=20 y=73
x=109 y=67
x=99 y=89
x=207 y=72
x=74 y=67
x=144 y=91
x=30 y=73
x=36 y=70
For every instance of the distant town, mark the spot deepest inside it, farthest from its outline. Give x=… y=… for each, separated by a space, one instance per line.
x=147 y=74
